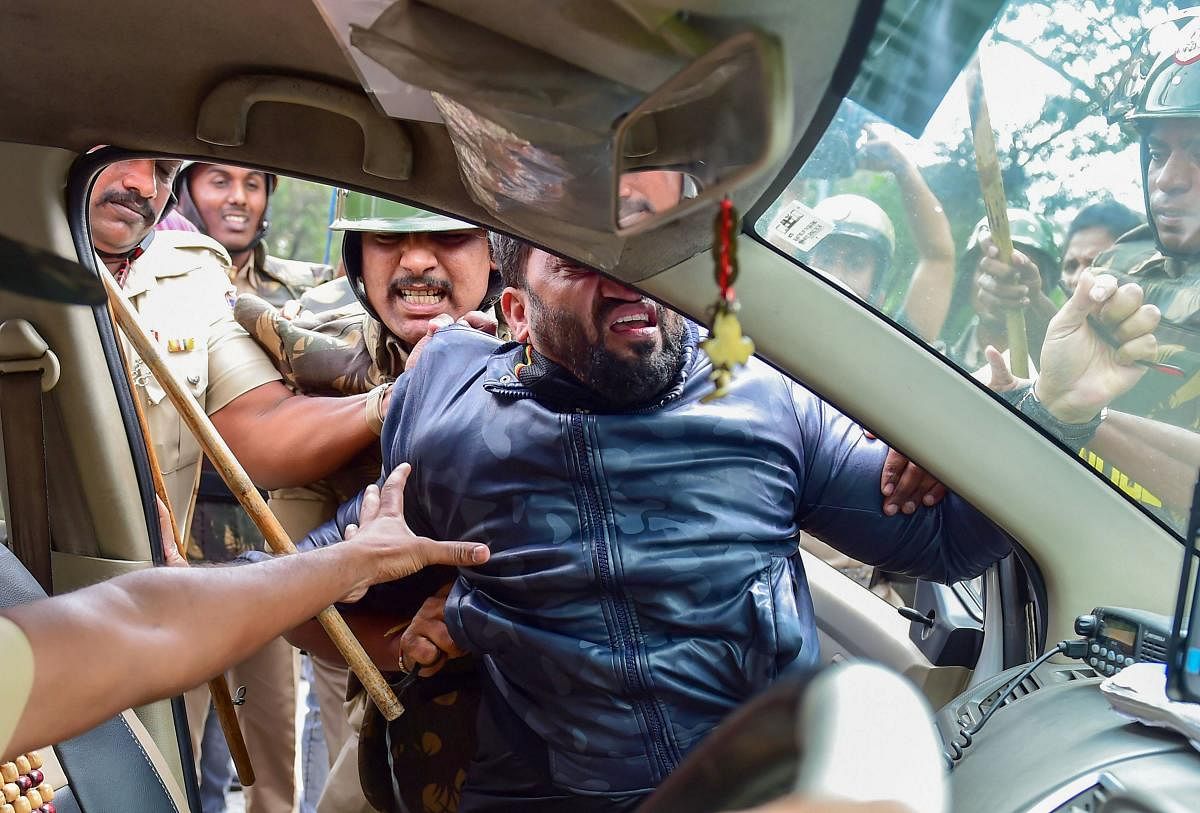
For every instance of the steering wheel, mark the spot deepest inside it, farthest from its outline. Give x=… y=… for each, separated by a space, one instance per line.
x=853 y=731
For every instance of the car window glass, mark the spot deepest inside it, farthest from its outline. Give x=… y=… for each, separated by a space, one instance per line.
x=898 y=222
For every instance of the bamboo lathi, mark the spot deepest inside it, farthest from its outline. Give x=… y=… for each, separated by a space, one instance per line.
x=218 y=688
x=991 y=184
x=243 y=489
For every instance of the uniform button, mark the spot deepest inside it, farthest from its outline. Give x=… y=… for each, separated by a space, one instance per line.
x=504 y=379
x=1095 y=648
x=194 y=379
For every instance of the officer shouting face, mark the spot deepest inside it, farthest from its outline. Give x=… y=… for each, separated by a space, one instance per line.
x=407 y=265
x=410 y=278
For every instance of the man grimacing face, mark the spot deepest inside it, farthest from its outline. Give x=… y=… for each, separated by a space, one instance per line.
x=625 y=347
x=615 y=341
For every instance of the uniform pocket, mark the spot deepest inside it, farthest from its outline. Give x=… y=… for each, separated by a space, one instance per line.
x=191 y=370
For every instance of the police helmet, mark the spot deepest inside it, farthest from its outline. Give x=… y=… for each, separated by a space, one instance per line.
x=358 y=212
x=863 y=219
x=1161 y=80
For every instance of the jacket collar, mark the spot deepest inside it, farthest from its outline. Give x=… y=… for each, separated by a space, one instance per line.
x=515 y=371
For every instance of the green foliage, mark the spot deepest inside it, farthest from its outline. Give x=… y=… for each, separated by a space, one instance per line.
x=1049 y=164
x=300 y=222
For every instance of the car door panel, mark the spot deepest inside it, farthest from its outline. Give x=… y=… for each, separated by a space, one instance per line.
x=854 y=623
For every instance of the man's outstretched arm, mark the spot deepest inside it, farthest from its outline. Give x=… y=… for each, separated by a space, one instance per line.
x=840 y=506
x=134 y=639
x=1080 y=374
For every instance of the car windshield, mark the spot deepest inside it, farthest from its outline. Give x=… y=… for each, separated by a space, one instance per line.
x=889 y=206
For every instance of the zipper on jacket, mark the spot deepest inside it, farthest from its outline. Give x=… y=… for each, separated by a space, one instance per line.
x=614 y=597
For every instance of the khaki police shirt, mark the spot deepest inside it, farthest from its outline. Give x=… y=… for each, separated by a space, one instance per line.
x=16 y=679
x=180 y=288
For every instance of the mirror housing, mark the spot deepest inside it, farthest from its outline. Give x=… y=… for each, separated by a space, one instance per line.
x=720 y=122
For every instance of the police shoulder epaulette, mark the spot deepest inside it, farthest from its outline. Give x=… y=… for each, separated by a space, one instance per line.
x=191 y=241
x=296 y=272
x=173 y=254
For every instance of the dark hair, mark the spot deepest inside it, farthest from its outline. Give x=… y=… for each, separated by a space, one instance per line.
x=510 y=256
x=1108 y=215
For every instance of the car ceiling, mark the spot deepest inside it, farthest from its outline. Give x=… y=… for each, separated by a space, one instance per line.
x=135 y=73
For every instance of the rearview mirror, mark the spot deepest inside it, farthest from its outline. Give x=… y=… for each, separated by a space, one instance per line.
x=707 y=130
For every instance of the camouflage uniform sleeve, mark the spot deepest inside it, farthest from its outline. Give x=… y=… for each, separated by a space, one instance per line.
x=236 y=365
x=319 y=355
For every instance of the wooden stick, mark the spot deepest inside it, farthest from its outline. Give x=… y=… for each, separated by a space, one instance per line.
x=160 y=485
x=994 y=201
x=217 y=687
x=227 y=717
x=239 y=483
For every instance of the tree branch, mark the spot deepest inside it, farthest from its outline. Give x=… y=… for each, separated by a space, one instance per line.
x=1070 y=122
x=1079 y=85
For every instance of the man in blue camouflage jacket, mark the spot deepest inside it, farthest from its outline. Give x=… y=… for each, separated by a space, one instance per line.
x=644 y=578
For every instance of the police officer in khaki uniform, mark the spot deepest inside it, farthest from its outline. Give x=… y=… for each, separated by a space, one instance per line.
x=416 y=264
x=179 y=283
x=318 y=435
x=232 y=205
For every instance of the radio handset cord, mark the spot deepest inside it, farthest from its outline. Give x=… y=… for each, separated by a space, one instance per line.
x=964 y=736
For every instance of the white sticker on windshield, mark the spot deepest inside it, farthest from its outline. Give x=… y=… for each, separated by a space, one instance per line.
x=800 y=226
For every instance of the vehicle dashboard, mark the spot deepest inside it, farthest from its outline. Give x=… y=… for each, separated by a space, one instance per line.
x=1056 y=746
